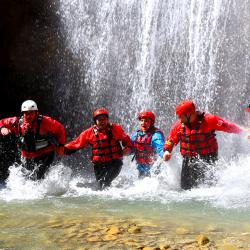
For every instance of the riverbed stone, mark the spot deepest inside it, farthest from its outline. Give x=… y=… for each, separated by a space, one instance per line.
x=112 y=230
x=213 y=229
x=202 y=239
x=134 y=229
x=55 y=223
x=164 y=246
x=245 y=234
x=234 y=241
x=93 y=229
x=109 y=238
x=150 y=232
x=133 y=243
x=81 y=234
x=94 y=239
x=68 y=224
x=181 y=231
x=71 y=235
x=229 y=247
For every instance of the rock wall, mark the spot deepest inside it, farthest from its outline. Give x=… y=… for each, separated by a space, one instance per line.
x=31 y=51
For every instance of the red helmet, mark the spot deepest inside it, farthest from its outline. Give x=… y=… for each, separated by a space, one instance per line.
x=248 y=108
x=101 y=111
x=147 y=114
x=185 y=107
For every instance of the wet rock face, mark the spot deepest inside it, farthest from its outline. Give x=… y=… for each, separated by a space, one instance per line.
x=30 y=46
x=34 y=61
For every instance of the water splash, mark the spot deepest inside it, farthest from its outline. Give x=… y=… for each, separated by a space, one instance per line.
x=18 y=187
x=230 y=191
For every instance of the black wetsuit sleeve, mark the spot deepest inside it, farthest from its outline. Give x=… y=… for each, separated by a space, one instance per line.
x=68 y=151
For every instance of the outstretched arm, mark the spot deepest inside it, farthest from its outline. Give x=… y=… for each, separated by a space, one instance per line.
x=225 y=126
x=79 y=142
x=125 y=140
x=127 y=143
x=172 y=140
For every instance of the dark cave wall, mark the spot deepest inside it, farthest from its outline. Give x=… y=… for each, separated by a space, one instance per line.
x=30 y=53
x=35 y=64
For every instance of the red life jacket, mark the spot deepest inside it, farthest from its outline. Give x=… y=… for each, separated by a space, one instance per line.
x=196 y=142
x=144 y=152
x=104 y=146
x=31 y=141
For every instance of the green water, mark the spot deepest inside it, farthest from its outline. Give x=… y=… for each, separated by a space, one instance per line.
x=67 y=223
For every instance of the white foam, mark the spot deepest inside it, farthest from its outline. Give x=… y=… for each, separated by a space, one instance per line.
x=18 y=187
x=231 y=191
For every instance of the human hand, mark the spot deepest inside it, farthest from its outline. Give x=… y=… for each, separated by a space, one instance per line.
x=126 y=151
x=5 y=131
x=166 y=156
x=246 y=132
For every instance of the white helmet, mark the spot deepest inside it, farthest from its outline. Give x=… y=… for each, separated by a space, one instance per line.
x=28 y=105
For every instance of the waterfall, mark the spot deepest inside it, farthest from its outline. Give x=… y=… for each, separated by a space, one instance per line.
x=152 y=54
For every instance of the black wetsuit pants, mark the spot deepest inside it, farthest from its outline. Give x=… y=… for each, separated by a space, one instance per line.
x=8 y=155
x=105 y=173
x=38 y=166
x=196 y=170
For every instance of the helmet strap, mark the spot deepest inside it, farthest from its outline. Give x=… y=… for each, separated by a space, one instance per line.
x=188 y=120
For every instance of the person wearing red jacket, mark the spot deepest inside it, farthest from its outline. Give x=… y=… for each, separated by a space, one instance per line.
x=39 y=137
x=198 y=144
x=105 y=138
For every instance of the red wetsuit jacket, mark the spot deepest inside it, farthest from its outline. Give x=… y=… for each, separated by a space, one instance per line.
x=105 y=143
x=201 y=138
x=48 y=129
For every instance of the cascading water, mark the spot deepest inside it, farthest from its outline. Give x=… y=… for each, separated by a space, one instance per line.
x=134 y=55
x=152 y=54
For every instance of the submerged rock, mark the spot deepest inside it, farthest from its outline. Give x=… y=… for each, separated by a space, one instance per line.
x=112 y=230
x=182 y=230
x=109 y=238
x=202 y=239
x=94 y=239
x=164 y=246
x=134 y=229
